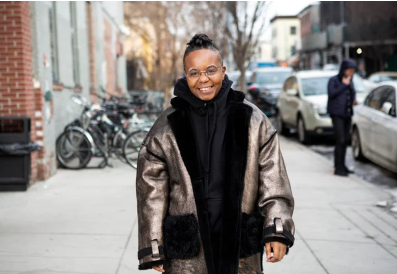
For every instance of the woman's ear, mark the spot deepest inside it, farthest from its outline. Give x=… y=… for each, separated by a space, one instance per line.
x=223 y=72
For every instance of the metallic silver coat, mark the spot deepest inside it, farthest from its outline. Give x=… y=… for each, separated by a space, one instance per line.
x=164 y=187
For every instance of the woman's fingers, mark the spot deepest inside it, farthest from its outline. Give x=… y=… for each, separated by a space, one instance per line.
x=276 y=251
x=158 y=268
x=268 y=251
x=279 y=250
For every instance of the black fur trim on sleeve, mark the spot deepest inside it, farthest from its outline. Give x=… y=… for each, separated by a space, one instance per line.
x=149 y=265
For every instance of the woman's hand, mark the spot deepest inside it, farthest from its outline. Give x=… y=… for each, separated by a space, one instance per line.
x=158 y=268
x=279 y=250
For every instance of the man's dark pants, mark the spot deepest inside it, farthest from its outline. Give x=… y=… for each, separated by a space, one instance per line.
x=342 y=135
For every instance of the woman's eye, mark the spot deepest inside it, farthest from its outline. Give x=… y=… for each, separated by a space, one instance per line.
x=211 y=71
x=194 y=73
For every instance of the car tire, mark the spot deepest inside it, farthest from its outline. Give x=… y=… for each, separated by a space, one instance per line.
x=356 y=146
x=303 y=135
x=281 y=126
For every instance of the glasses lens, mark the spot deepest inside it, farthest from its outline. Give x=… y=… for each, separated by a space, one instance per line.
x=194 y=73
x=211 y=70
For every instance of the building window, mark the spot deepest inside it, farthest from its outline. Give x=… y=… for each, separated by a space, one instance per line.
x=293 y=49
x=293 y=30
x=75 y=49
x=53 y=42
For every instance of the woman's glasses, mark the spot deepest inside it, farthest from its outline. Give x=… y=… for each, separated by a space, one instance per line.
x=194 y=74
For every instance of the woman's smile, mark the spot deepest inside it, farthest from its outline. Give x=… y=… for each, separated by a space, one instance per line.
x=206 y=90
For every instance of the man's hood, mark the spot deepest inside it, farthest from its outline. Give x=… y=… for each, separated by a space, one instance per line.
x=183 y=91
x=348 y=63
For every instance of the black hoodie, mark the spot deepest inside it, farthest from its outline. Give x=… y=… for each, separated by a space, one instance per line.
x=341 y=96
x=209 y=123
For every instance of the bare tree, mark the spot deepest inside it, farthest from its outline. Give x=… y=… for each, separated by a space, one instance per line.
x=244 y=33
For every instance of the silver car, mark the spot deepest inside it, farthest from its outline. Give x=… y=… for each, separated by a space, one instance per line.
x=375 y=127
x=302 y=103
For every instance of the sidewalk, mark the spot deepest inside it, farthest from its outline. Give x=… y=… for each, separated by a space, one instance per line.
x=85 y=222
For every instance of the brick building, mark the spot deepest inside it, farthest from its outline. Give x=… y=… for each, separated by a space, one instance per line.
x=51 y=50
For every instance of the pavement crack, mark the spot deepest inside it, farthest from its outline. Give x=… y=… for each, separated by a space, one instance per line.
x=126 y=245
x=314 y=254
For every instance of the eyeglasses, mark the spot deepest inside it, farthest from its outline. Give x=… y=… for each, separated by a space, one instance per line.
x=194 y=74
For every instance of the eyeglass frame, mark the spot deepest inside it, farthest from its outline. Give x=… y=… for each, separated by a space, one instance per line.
x=203 y=71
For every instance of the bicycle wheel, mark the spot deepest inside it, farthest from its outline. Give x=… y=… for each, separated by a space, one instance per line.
x=132 y=146
x=74 y=150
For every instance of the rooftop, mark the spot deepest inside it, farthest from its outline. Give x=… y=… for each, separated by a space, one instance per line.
x=279 y=17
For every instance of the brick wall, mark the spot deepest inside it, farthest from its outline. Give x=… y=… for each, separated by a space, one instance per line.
x=91 y=47
x=17 y=95
x=110 y=58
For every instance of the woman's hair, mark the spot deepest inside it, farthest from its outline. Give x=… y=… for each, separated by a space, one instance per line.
x=200 y=41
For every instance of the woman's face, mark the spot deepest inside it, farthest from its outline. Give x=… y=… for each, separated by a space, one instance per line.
x=204 y=88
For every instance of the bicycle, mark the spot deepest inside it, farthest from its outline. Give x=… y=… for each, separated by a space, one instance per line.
x=94 y=134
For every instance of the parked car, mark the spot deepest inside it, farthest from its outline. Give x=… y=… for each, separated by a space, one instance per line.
x=265 y=87
x=302 y=104
x=235 y=75
x=375 y=127
x=382 y=76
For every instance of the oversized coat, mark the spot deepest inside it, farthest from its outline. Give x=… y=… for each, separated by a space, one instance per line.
x=257 y=205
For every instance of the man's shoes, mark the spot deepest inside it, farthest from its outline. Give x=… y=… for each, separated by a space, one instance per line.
x=342 y=173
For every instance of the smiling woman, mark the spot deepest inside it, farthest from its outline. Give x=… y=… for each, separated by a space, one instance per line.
x=204 y=68
x=212 y=189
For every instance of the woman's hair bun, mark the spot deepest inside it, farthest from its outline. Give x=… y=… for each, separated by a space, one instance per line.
x=199 y=40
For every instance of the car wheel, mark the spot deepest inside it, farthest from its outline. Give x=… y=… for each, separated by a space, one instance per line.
x=303 y=135
x=356 y=146
x=281 y=126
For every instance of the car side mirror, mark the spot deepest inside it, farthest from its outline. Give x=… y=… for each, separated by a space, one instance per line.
x=292 y=92
x=387 y=108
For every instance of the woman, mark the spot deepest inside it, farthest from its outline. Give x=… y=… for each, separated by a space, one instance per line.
x=212 y=188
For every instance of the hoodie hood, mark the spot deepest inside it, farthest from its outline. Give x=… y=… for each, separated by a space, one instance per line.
x=182 y=91
x=348 y=63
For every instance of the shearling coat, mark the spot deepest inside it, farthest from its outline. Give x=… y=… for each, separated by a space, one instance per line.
x=172 y=216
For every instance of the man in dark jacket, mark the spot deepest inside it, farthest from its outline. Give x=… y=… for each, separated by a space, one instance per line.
x=341 y=98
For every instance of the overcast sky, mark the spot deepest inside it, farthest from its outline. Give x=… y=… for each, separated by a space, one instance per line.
x=282 y=8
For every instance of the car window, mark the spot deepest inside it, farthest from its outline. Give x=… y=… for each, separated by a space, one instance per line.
x=253 y=77
x=315 y=86
x=384 y=78
x=377 y=97
x=389 y=95
x=275 y=77
x=374 y=78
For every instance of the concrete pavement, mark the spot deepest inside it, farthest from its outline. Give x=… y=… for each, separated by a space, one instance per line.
x=85 y=222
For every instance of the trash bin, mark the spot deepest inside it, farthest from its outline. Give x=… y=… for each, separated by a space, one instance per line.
x=15 y=148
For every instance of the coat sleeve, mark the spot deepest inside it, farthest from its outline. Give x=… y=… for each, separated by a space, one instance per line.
x=276 y=203
x=335 y=88
x=152 y=204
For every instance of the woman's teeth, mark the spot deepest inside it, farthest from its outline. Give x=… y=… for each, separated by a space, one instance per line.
x=204 y=89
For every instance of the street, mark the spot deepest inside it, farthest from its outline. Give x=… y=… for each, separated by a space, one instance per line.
x=85 y=222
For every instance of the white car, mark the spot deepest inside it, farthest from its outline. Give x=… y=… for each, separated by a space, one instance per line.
x=302 y=103
x=375 y=127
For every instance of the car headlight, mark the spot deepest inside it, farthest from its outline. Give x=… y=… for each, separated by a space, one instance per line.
x=319 y=109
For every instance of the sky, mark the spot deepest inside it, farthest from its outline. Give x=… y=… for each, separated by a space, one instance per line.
x=274 y=8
